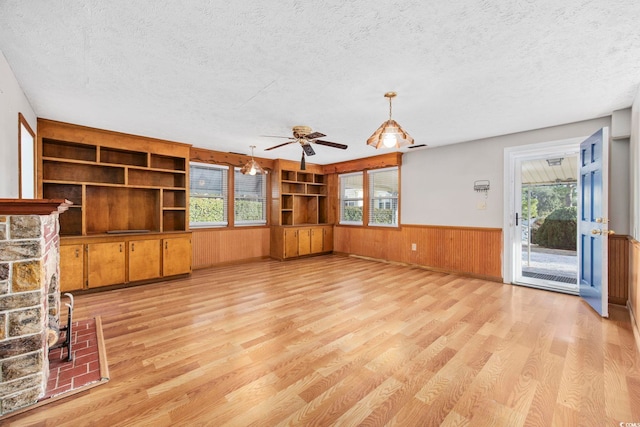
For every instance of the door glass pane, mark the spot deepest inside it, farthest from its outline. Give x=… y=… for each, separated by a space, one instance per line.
x=549 y=221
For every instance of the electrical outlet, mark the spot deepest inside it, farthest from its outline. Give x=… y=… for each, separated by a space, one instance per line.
x=414 y=247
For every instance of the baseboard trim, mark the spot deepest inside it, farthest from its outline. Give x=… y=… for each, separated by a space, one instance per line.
x=634 y=325
x=234 y=262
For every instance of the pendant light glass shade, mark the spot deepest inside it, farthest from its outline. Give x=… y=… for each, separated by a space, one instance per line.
x=390 y=134
x=252 y=167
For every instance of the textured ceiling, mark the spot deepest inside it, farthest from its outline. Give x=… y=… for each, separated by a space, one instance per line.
x=219 y=74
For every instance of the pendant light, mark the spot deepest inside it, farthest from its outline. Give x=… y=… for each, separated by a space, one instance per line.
x=390 y=134
x=252 y=167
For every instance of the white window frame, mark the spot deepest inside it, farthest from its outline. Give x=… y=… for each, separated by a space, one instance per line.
x=26 y=159
x=344 y=199
x=262 y=198
x=224 y=196
x=372 y=198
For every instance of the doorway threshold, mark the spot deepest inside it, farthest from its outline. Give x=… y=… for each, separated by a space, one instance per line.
x=571 y=288
x=552 y=277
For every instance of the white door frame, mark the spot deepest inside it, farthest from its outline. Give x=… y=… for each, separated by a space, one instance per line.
x=511 y=180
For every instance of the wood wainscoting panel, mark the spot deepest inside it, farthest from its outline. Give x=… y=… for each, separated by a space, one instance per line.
x=619 y=251
x=470 y=250
x=221 y=246
x=465 y=250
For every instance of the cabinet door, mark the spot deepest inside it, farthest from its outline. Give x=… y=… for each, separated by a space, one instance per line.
x=327 y=244
x=290 y=242
x=105 y=264
x=176 y=256
x=71 y=267
x=144 y=259
x=317 y=237
x=304 y=241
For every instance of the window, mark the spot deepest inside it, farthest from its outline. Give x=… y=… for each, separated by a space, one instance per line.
x=383 y=197
x=208 y=195
x=26 y=159
x=351 y=198
x=250 y=200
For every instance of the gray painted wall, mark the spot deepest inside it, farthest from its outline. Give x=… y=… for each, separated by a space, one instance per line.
x=437 y=183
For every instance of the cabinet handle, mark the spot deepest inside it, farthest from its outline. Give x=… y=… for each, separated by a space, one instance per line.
x=133 y=247
x=120 y=247
x=77 y=253
x=166 y=245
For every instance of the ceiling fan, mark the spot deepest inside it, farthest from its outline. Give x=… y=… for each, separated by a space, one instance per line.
x=304 y=136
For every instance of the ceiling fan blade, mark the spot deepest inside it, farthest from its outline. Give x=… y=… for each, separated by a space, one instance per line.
x=308 y=149
x=279 y=145
x=314 y=135
x=331 y=144
x=276 y=136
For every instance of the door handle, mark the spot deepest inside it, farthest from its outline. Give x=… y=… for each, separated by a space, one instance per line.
x=602 y=232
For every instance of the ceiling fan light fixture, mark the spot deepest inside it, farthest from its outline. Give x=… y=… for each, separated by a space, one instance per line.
x=252 y=167
x=390 y=133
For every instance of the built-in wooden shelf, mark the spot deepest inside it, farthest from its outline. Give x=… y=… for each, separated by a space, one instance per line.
x=129 y=217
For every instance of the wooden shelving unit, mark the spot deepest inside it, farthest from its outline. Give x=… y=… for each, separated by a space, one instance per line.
x=300 y=211
x=123 y=187
x=150 y=190
x=302 y=198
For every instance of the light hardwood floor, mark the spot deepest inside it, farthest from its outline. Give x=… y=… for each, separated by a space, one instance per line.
x=335 y=340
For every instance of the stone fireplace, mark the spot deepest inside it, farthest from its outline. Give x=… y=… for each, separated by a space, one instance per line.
x=29 y=296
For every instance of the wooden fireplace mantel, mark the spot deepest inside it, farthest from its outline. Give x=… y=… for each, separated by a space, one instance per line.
x=33 y=206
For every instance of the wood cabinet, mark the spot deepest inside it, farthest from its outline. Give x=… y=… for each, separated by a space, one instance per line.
x=71 y=267
x=176 y=256
x=299 y=211
x=144 y=259
x=291 y=242
x=327 y=239
x=94 y=262
x=129 y=193
x=105 y=264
